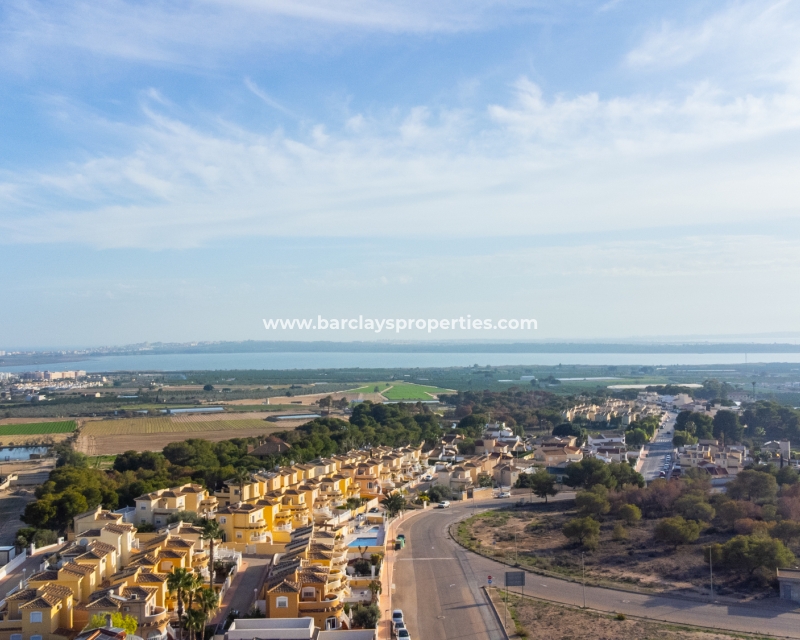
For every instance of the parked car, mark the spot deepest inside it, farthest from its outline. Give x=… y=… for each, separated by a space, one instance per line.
x=397 y=616
x=401 y=537
x=504 y=494
x=427 y=477
x=374 y=510
x=443 y=505
x=397 y=627
x=403 y=635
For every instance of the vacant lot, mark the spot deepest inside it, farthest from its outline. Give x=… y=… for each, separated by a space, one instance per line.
x=545 y=621
x=534 y=540
x=11 y=508
x=37 y=428
x=105 y=437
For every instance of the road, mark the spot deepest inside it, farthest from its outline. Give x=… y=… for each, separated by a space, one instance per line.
x=659 y=449
x=438 y=587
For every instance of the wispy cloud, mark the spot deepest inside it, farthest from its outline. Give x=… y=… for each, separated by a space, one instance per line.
x=267 y=99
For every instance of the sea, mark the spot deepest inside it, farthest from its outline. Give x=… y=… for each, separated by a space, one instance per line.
x=345 y=360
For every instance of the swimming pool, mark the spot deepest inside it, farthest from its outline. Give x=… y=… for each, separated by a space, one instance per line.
x=364 y=542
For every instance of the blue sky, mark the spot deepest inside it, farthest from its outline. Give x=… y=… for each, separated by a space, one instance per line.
x=178 y=171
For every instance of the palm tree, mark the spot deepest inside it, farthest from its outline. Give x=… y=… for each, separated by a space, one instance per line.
x=195 y=621
x=212 y=533
x=195 y=583
x=241 y=478
x=178 y=582
x=394 y=503
x=208 y=602
x=376 y=588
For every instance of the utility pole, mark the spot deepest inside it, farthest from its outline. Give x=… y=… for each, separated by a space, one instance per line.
x=516 y=555
x=583 y=571
x=711 y=569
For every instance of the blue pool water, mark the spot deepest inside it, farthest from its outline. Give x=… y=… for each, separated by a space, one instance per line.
x=364 y=542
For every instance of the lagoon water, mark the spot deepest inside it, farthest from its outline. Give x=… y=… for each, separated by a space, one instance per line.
x=332 y=360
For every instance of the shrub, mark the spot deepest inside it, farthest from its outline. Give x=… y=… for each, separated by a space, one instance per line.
x=630 y=513
x=593 y=502
x=695 y=507
x=584 y=531
x=748 y=553
x=620 y=533
x=677 y=531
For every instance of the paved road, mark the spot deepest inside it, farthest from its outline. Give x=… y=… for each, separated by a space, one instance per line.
x=658 y=450
x=438 y=587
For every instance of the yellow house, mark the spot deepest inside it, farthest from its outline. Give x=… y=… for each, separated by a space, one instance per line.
x=45 y=612
x=243 y=524
x=143 y=577
x=137 y=601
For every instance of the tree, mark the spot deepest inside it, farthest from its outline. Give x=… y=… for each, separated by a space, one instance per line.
x=756 y=486
x=195 y=622
x=365 y=616
x=630 y=513
x=119 y=620
x=179 y=581
x=212 y=533
x=593 y=502
x=584 y=531
x=439 y=492
x=727 y=427
x=375 y=587
x=620 y=533
x=485 y=481
x=682 y=438
x=695 y=507
x=543 y=484
x=208 y=387
x=240 y=479
x=677 y=531
x=787 y=476
x=394 y=503
x=786 y=531
x=748 y=553
x=566 y=429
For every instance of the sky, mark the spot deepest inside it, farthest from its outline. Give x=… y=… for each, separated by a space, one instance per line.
x=178 y=171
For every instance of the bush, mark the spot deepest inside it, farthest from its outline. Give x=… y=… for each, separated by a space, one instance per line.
x=677 y=531
x=748 y=526
x=593 y=502
x=584 y=531
x=620 y=616
x=439 y=492
x=620 y=532
x=695 y=507
x=366 y=616
x=630 y=513
x=748 y=553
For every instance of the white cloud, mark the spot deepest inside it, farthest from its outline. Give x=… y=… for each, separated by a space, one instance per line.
x=199 y=33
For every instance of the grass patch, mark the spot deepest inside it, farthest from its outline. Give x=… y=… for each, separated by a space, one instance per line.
x=37 y=428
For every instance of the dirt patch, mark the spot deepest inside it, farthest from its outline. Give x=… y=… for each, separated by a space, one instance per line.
x=535 y=541
x=546 y=621
x=114 y=444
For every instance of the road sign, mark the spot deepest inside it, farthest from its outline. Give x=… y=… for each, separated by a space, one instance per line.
x=490 y=579
x=515 y=578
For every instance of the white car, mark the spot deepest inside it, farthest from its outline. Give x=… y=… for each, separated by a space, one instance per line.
x=403 y=634
x=443 y=505
x=397 y=616
x=504 y=494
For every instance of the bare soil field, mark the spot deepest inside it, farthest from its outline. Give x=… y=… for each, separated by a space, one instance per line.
x=27 y=420
x=546 y=621
x=111 y=443
x=534 y=540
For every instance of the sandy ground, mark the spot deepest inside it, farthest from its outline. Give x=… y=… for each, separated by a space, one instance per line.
x=546 y=621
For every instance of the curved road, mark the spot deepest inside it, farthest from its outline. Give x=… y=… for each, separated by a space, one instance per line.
x=438 y=587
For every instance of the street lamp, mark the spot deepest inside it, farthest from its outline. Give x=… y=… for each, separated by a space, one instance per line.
x=583 y=571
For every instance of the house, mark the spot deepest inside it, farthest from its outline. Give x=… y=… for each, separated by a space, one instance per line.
x=270 y=447
x=156 y=507
x=44 y=612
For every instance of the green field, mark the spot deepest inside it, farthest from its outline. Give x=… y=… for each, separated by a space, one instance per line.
x=403 y=390
x=37 y=428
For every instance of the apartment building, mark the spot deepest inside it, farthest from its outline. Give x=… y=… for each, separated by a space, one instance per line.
x=156 y=507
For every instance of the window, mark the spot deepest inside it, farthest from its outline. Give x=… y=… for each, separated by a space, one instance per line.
x=36 y=637
x=36 y=616
x=238 y=534
x=282 y=602
x=223 y=520
x=330 y=623
x=309 y=592
x=16 y=636
x=143 y=507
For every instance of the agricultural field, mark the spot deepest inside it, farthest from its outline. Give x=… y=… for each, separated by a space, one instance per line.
x=131 y=426
x=409 y=391
x=37 y=428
